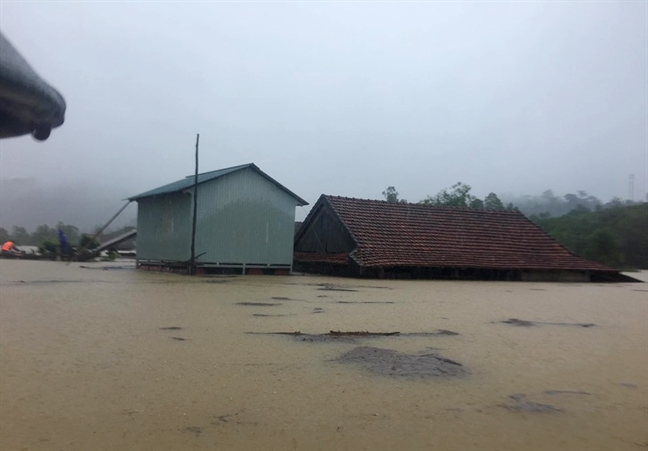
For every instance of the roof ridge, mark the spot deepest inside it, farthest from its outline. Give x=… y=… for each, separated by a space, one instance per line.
x=240 y=166
x=450 y=207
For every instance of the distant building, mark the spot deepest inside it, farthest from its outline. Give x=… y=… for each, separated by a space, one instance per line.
x=358 y=237
x=245 y=223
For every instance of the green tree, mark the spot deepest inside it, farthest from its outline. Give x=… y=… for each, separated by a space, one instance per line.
x=477 y=204
x=492 y=202
x=4 y=235
x=603 y=247
x=48 y=248
x=457 y=196
x=390 y=194
x=612 y=236
x=20 y=235
x=43 y=233
x=87 y=242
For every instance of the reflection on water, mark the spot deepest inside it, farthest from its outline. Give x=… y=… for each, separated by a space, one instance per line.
x=124 y=359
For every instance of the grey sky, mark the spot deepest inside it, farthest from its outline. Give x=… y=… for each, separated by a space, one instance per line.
x=338 y=98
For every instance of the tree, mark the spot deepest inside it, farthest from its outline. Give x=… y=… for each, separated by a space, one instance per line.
x=603 y=247
x=477 y=204
x=458 y=196
x=20 y=235
x=492 y=202
x=44 y=233
x=390 y=194
x=4 y=235
x=88 y=242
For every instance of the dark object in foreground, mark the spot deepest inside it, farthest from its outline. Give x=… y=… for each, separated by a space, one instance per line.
x=393 y=363
x=28 y=105
x=525 y=323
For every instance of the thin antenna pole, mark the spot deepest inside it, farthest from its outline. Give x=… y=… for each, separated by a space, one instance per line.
x=192 y=268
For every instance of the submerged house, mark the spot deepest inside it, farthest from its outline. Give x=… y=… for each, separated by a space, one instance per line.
x=245 y=222
x=359 y=237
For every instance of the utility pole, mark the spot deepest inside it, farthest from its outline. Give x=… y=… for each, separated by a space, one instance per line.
x=192 y=268
x=631 y=187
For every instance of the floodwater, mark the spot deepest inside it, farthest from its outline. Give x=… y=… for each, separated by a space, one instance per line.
x=94 y=359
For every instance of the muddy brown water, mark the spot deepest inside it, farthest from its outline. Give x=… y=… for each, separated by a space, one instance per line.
x=107 y=360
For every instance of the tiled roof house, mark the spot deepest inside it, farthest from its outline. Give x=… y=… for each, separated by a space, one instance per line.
x=359 y=237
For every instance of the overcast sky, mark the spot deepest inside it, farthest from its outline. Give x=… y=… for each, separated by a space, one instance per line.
x=337 y=98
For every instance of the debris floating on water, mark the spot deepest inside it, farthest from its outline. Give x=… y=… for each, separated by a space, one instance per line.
x=354 y=335
x=525 y=323
x=365 y=302
x=393 y=363
x=331 y=287
x=519 y=402
x=565 y=392
x=259 y=304
x=268 y=315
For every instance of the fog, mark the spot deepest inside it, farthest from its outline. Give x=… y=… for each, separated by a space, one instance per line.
x=336 y=98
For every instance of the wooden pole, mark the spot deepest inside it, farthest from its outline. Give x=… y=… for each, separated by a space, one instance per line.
x=192 y=268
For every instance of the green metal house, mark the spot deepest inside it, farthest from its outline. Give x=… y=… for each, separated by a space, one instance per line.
x=245 y=222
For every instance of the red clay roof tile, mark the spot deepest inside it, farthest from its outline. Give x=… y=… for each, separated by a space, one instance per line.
x=395 y=234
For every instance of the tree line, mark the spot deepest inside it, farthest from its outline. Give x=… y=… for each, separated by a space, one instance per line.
x=47 y=237
x=458 y=195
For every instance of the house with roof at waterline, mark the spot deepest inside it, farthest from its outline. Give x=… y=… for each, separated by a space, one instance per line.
x=371 y=238
x=244 y=223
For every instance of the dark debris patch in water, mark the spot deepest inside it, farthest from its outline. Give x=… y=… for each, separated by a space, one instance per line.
x=44 y=282
x=111 y=268
x=280 y=298
x=388 y=362
x=178 y=338
x=520 y=403
x=196 y=430
x=331 y=287
x=336 y=335
x=260 y=315
x=259 y=304
x=565 y=392
x=171 y=328
x=365 y=302
x=525 y=323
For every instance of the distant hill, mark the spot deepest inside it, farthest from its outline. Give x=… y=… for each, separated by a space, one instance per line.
x=28 y=203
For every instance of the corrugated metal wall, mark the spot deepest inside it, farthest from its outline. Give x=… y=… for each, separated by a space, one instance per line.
x=242 y=218
x=164 y=228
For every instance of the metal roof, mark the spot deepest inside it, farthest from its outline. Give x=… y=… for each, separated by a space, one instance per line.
x=188 y=181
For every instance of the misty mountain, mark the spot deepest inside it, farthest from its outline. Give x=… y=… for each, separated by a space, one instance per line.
x=28 y=203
